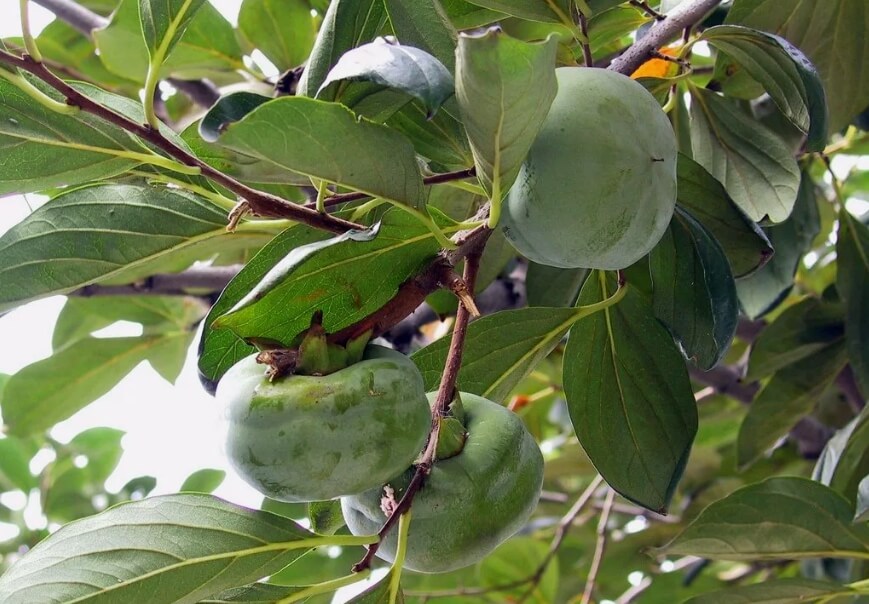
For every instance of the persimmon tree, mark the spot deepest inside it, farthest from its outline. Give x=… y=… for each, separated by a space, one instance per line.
x=684 y=372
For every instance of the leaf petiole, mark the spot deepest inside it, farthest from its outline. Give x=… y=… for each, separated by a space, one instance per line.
x=29 y=41
x=400 y=553
x=326 y=587
x=36 y=94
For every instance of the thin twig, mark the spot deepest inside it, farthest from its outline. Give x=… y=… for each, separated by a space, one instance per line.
x=199 y=280
x=582 y=21
x=444 y=397
x=264 y=204
x=634 y=591
x=684 y=15
x=644 y=6
x=599 y=548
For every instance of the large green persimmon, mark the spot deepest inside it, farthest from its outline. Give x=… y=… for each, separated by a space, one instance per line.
x=313 y=438
x=470 y=503
x=598 y=187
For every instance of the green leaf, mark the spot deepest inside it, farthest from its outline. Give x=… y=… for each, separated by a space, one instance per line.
x=785 y=517
x=43 y=149
x=283 y=30
x=80 y=317
x=761 y=291
x=799 y=331
x=694 y=292
x=844 y=461
x=551 y=286
x=786 y=74
x=791 y=394
x=755 y=166
x=402 y=68
x=504 y=88
x=379 y=593
x=176 y=548
x=256 y=593
x=629 y=396
x=852 y=283
x=111 y=231
x=745 y=244
x=346 y=24
x=441 y=139
x=608 y=30
x=465 y=15
x=328 y=142
x=205 y=480
x=51 y=390
x=533 y=10
x=522 y=338
x=220 y=349
x=830 y=33
x=325 y=516
x=516 y=560
x=779 y=591
x=425 y=25
x=15 y=456
x=164 y=22
x=227 y=110
x=354 y=274
x=208 y=48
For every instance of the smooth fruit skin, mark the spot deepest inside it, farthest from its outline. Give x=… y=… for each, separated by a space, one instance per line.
x=470 y=503
x=598 y=187
x=308 y=438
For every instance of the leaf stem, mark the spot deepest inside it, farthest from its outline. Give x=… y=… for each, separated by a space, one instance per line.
x=321 y=195
x=400 y=553
x=219 y=200
x=29 y=41
x=37 y=95
x=326 y=587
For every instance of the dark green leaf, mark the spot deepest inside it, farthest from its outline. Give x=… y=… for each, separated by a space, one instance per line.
x=786 y=517
x=763 y=290
x=205 y=480
x=111 y=231
x=220 y=349
x=347 y=24
x=51 y=390
x=781 y=591
x=256 y=593
x=403 y=68
x=380 y=592
x=551 y=286
x=533 y=10
x=229 y=109
x=801 y=330
x=354 y=274
x=164 y=22
x=43 y=149
x=744 y=243
x=208 y=48
x=756 y=166
x=325 y=516
x=326 y=141
x=466 y=15
x=787 y=75
x=608 y=30
x=424 y=24
x=283 y=30
x=694 y=292
x=629 y=396
x=852 y=284
x=791 y=393
x=522 y=338
x=441 y=139
x=81 y=317
x=176 y=548
x=830 y=33
x=504 y=88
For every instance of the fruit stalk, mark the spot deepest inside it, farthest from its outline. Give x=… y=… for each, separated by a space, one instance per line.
x=445 y=394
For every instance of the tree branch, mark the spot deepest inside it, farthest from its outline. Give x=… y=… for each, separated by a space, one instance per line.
x=599 y=547
x=190 y=282
x=684 y=15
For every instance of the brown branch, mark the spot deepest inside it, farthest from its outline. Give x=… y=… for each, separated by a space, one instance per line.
x=444 y=397
x=725 y=380
x=192 y=281
x=644 y=6
x=582 y=21
x=264 y=204
x=599 y=548
x=684 y=15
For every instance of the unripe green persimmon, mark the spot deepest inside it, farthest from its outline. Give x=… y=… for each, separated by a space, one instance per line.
x=470 y=503
x=598 y=187
x=313 y=438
